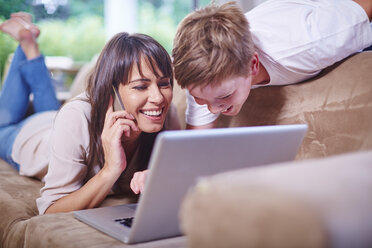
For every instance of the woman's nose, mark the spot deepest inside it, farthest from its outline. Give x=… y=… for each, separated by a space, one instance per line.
x=156 y=95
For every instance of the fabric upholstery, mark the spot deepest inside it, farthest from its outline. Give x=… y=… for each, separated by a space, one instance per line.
x=313 y=203
x=21 y=226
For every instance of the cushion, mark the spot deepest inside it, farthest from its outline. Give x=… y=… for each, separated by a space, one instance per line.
x=21 y=226
x=312 y=203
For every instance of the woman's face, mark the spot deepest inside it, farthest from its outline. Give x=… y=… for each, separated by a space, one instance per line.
x=147 y=97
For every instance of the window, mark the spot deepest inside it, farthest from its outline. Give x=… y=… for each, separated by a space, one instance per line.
x=77 y=29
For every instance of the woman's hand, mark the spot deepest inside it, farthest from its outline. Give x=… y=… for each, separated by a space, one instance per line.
x=137 y=184
x=116 y=125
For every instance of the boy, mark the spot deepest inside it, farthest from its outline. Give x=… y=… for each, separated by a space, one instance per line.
x=219 y=54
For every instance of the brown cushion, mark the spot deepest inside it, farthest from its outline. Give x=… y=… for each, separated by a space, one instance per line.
x=313 y=203
x=21 y=226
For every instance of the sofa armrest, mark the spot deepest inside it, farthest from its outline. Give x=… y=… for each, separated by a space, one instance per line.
x=314 y=203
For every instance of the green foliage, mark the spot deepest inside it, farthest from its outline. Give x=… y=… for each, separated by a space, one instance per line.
x=78 y=38
x=158 y=24
x=79 y=8
x=180 y=9
x=82 y=35
x=9 y=6
x=159 y=18
x=7 y=46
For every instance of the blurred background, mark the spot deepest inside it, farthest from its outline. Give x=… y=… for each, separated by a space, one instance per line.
x=74 y=31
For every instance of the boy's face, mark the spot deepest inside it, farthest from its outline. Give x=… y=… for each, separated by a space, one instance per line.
x=227 y=97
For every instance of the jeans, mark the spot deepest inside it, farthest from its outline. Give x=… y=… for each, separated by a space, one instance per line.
x=24 y=77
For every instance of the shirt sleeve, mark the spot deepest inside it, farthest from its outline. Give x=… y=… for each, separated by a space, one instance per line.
x=196 y=114
x=324 y=33
x=67 y=170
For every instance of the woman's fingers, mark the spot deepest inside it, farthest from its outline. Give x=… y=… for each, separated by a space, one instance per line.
x=126 y=123
x=117 y=124
x=138 y=181
x=117 y=117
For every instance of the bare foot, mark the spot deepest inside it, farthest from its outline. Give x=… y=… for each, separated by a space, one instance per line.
x=25 y=16
x=28 y=43
x=25 y=20
x=12 y=27
x=24 y=36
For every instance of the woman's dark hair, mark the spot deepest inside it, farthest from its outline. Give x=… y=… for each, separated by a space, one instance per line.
x=113 y=67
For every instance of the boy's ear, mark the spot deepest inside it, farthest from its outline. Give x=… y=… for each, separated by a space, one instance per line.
x=254 y=64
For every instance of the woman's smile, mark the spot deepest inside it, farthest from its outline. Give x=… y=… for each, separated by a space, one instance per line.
x=147 y=97
x=152 y=113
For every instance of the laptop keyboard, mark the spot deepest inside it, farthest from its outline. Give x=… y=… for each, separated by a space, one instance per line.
x=125 y=221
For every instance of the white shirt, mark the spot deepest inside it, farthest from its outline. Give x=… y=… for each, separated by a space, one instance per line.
x=296 y=39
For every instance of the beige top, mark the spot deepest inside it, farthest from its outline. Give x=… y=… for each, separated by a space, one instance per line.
x=54 y=148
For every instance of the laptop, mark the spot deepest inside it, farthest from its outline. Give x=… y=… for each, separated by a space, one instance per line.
x=178 y=159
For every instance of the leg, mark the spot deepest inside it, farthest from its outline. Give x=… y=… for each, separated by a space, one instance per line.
x=31 y=72
x=14 y=97
x=26 y=20
x=7 y=137
x=25 y=33
x=36 y=75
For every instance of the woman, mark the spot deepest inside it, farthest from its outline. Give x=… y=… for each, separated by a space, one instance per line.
x=88 y=149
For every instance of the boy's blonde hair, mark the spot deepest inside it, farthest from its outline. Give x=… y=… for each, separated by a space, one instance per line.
x=212 y=44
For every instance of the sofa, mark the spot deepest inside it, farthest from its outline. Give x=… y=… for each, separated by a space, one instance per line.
x=321 y=199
